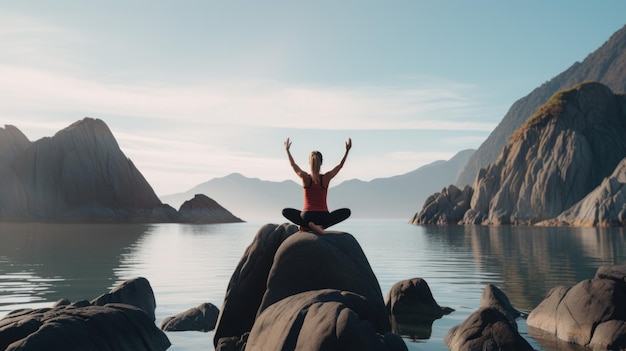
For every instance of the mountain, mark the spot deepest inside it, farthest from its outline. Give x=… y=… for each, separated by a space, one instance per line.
x=78 y=175
x=247 y=197
x=556 y=159
x=606 y=65
x=394 y=197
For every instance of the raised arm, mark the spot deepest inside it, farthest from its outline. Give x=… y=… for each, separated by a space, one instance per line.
x=293 y=164
x=333 y=172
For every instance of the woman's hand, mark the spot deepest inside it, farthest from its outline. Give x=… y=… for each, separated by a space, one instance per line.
x=287 y=144
x=348 y=144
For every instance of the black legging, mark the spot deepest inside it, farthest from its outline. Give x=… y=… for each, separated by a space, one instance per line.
x=323 y=218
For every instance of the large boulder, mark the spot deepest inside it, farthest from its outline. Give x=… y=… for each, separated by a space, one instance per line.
x=202 y=318
x=203 y=209
x=113 y=327
x=136 y=292
x=307 y=261
x=491 y=327
x=321 y=320
x=592 y=313
x=282 y=262
x=247 y=284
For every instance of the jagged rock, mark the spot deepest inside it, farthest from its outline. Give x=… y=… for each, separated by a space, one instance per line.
x=560 y=155
x=447 y=207
x=282 y=262
x=412 y=297
x=135 y=292
x=605 y=206
x=113 y=327
x=491 y=327
x=247 y=284
x=492 y=296
x=79 y=174
x=605 y=65
x=202 y=209
x=486 y=329
x=202 y=318
x=325 y=319
x=592 y=313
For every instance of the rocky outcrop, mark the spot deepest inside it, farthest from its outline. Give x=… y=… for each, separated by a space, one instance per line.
x=282 y=263
x=605 y=206
x=560 y=155
x=202 y=209
x=592 y=313
x=488 y=328
x=202 y=318
x=88 y=326
x=325 y=319
x=447 y=207
x=81 y=175
x=605 y=65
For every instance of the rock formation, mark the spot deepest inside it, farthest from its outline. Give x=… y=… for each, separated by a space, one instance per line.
x=605 y=206
x=558 y=157
x=84 y=326
x=80 y=175
x=282 y=284
x=447 y=207
x=592 y=313
x=605 y=65
x=488 y=328
x=202 y=318
x=413 y=309
x=202 y=209
x=326 y=319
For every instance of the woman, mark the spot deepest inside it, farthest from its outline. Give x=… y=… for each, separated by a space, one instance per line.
x=314 y=215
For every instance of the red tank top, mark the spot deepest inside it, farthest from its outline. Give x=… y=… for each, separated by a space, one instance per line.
x=315 y=197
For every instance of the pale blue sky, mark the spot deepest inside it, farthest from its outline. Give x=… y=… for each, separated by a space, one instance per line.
x=194 y=90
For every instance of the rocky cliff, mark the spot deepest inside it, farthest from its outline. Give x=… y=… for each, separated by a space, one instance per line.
x=560 y=155
x=78 y=175
x=606 y=65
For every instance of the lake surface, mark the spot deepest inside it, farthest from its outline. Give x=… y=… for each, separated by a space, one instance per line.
x=191 y=264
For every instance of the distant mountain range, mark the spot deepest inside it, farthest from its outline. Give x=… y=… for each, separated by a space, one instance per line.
x=606 y=65
x=394 y=197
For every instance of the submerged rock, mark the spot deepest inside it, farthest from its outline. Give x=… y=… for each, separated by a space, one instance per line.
x=202 y=318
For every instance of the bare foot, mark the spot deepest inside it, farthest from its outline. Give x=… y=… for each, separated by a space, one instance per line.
x=316 y=228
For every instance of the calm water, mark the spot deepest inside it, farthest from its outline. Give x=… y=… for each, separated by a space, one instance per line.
x=191 y=264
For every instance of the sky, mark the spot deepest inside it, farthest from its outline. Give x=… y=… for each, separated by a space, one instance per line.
x=196 y=90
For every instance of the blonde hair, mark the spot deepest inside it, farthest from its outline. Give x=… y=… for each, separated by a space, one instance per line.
x=315 y=160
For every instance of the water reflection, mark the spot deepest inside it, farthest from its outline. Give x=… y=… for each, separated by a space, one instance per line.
x=530 y=261
x=46 y=262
